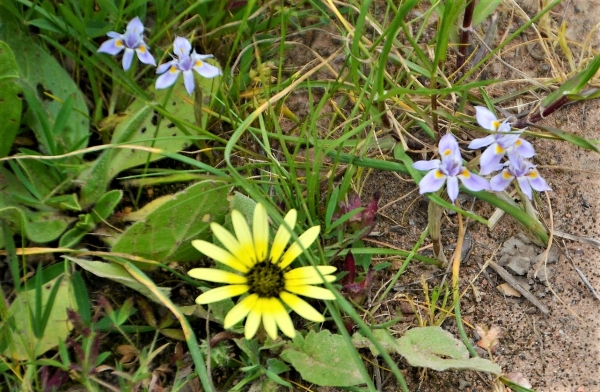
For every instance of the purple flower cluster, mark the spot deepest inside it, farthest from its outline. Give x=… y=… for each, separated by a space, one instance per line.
x=503 y=142
x=184 y=61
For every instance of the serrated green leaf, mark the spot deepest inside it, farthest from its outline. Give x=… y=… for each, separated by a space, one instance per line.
x=166 y=233
x=324 y=359
x=118 y=274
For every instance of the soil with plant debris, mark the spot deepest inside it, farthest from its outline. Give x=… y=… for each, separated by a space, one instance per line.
x=558 y=351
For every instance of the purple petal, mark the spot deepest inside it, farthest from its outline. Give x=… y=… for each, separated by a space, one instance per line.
x=145 y=56
x=427 y=165
x=504 y=127
x=490 y=158
x=112 y=46
x=432 y=182
x=486 y=119
x=501 y=181
x=167 y=79
x=113 y=34
x=135 y=26
x=127 y=58
x=524 y=148
x=207 y=70
x=482 y=142
x=448 y=147
x=164 y=67
x=524 y=185
x=182 y=46
x=202 y=56
x=537 y=182
x=188 y=81
x=473 y=182
x=452 y=188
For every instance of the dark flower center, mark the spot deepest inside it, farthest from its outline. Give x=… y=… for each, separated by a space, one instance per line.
x=266 y=279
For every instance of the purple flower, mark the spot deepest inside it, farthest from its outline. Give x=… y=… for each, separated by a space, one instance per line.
x=499 y=143
x=132 y=41
x=184 y=62
x=526 y=174
x=449 y=169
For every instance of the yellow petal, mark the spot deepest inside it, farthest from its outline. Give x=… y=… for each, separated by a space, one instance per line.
x=220 y=255
x=239 y=311
x=253 y=320
x=304 y=241
x=242 y=232
x=309 y=272
x=221 y=293
x=311 y=280
x=231 y=243
x=283 y=236
x=217 y=276
x=268 y=317
x=260 y=230
x=301 y=307
x=311 y=291
x=283 y=318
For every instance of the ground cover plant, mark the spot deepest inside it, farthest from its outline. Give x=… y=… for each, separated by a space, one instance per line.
x=182 y=198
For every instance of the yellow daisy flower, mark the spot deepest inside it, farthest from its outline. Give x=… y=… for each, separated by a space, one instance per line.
x=264 y=276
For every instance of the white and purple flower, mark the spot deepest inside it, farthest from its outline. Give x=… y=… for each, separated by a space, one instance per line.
x=184 y=61
x=526 y=174
x=500 y=142
x=132 y=41
x=448 y=170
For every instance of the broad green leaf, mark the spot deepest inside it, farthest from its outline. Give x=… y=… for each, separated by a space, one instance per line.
x=324 y=359
x=166 y=233
x=41 y=75
x=118 y=274
x=10 y=113
x=483 y=9
x=38 y=226
x=8 y=65
x=42 y=177
x=436 y=349
x=26 y=345
x=141 y=127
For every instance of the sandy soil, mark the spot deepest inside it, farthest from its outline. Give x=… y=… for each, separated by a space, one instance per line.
x=555 y=352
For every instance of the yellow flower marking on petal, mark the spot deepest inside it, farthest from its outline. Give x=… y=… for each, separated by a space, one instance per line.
x=142 y=49
x=496 y=124
x=447 y=152
x=533 y=174
x=439 y=174
x=499 y=150
x=466 y=173
x=198 y=63
x=119 y=43
x=518 y=142
x=506 y=175
x=173 y=69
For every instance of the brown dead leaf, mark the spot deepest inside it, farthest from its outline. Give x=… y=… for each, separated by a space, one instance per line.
x=129 y=354
x=519 y=378
x=489 y=338
x=507 y=290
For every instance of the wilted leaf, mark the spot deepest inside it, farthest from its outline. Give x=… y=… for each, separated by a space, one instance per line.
x=519 y=378
x=488 y=337
x=324 y=359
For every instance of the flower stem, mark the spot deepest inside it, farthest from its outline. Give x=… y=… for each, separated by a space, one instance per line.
x=434 y=214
